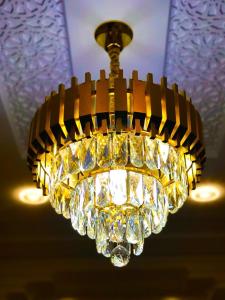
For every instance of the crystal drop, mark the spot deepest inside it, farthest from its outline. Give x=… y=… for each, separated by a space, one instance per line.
x=107 y=249
x=64 y=153
x=133 y=229
x=173 y=161
x=102 y=189
x=120 y=256
x=120 y=149
x=151 y=153
x=91 y=216
x=87 y=154
x=74 y=202
x=146 y=222
x=104 y=150
x=81 y=229
x=138 y=248
x=148 y=183
x=156 y=222
x=57 y=198
x=73 y=160
x=136 y=150
x=101 y=230
x=65 y=208
x=136 y=188
x=164 y=149
x=117 y=229
x=118 y=186
x=172 y=198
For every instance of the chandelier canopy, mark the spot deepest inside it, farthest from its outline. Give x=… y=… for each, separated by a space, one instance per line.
x=116 y=157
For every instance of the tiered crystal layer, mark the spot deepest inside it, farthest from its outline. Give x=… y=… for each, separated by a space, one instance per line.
x=118 y=189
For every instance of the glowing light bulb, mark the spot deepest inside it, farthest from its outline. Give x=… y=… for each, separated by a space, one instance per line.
x=206 y=193
x=31 y=196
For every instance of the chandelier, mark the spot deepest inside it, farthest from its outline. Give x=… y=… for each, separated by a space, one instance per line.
x=116 y=157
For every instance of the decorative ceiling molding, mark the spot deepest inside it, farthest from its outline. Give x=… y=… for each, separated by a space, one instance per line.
x=34 y=58
x=196 y=60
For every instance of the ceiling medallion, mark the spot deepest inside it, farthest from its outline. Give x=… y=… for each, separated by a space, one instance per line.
x=115 y=158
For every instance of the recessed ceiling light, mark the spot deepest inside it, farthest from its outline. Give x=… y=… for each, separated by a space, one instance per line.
x=31 y=196
x=206 y=192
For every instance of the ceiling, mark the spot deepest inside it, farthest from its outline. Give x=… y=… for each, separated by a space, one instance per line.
x=43 y=43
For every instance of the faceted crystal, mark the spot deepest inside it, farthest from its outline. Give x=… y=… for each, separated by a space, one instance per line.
x=136 y=150
x=107 y=249
x=101 y=231
x=58 y=194
x=120 y=256
x=102 y=189
x=118 y=186
x=151 y=153
x=157 y=225
x=136 y=188
x=74 y=203
x=117 y=228
x=120 y=149
x=81 y=229
x=172 y=198
x=104 y=150
x=87 y=154
x=91 y=215
x=148 y=183
x=138 y=248
x=164 y=149
x=173 y=164
x=133 y=230
x=146 y=222
x=73 y=160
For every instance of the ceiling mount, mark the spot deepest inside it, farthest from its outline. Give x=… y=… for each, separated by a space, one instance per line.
x=113 y=36
x=113 y=33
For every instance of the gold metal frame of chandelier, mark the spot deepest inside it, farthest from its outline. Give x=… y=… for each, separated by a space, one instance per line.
x=144 y=107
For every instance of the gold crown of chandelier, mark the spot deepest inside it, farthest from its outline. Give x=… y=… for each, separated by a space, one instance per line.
x=116 y=158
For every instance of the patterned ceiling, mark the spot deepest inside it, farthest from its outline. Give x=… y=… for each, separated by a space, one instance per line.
x=35 y=55
x=34 y=58
x=195 y=59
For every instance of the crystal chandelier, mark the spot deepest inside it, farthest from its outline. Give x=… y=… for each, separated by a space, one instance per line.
x=116 y=159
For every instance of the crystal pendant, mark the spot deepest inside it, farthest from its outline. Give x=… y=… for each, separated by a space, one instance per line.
x=87 y=154
x=138 y=248
x=120 y=256
x=133 y=229
x=151 y=153
x=164 y=150
x=91 y=221
x=117 y=228
x=136 y=150
x=107 y=249
x=104 y=150
x=102 y=189
x=101 y=231
x=146 y=219
x=120 y=149
x=73 y=160
x=136 y=188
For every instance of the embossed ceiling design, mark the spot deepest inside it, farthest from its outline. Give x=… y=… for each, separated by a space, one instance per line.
x=34 y=58
x=35 y=53
x=195 y=59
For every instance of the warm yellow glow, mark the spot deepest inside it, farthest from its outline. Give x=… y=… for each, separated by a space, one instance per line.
x=31 y=196
x=171 y=298
x=206 y=192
